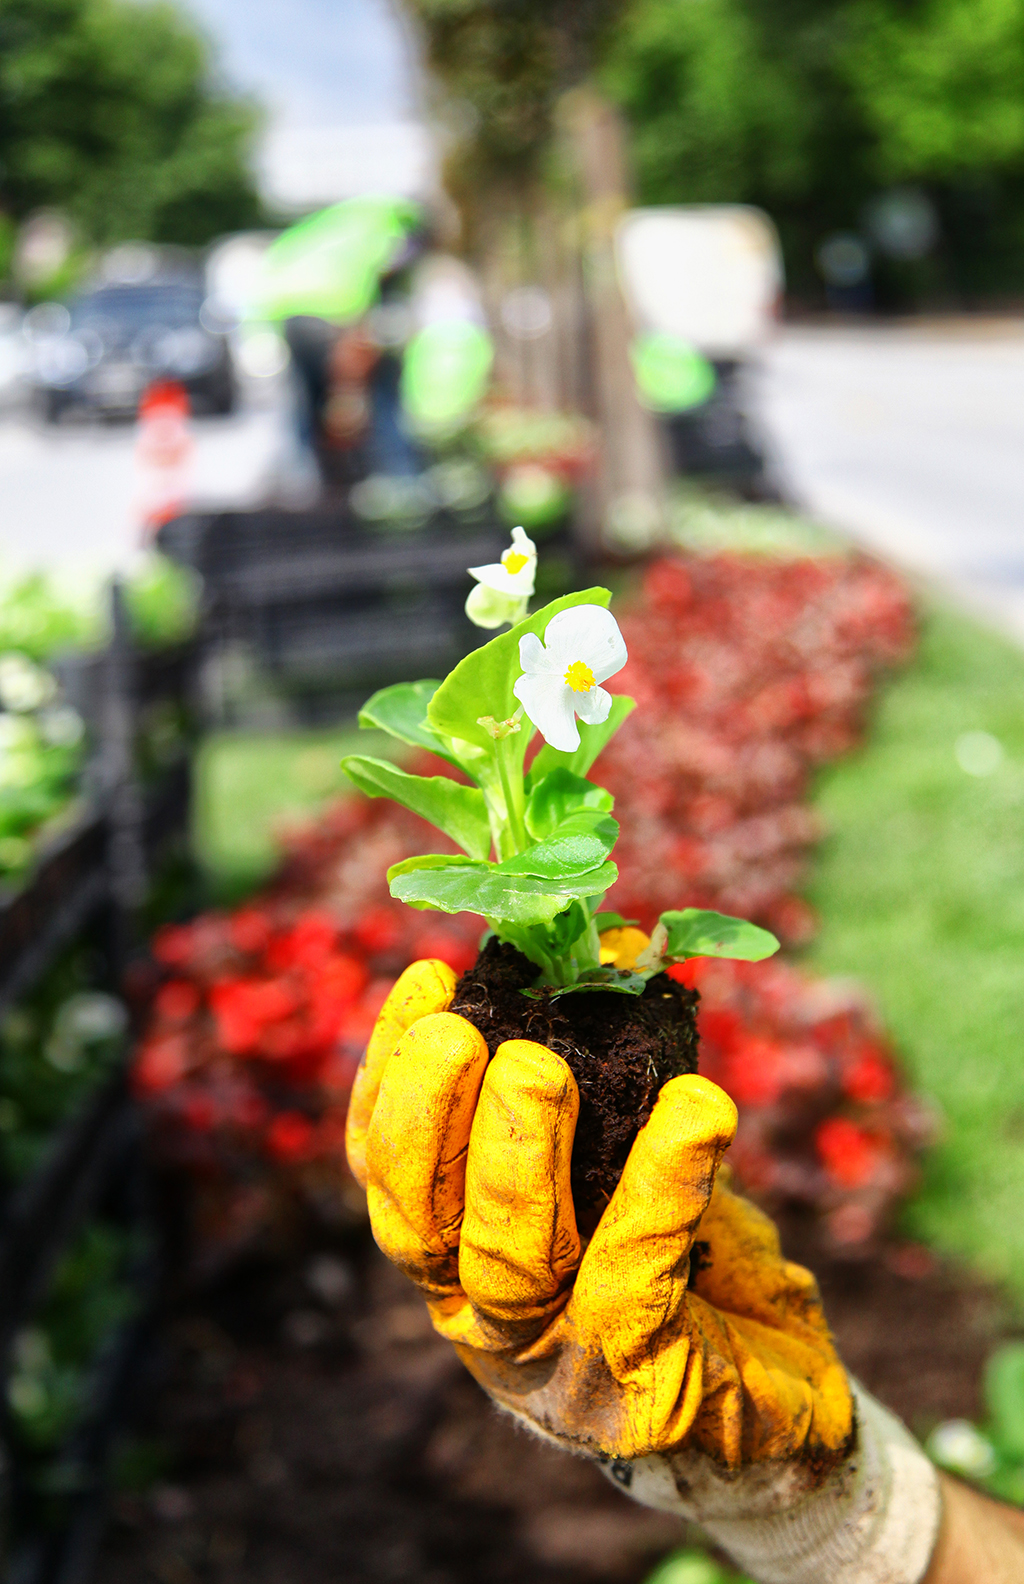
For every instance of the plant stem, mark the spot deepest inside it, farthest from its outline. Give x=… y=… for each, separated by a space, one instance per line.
x=513 y=805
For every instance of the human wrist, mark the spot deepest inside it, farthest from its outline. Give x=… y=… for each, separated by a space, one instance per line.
x=979 y=1539
x=873 y=1520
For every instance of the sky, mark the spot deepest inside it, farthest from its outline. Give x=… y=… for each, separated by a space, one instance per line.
x=314 y=63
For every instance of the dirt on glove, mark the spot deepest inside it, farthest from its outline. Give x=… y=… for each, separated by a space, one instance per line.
x=620 y=1048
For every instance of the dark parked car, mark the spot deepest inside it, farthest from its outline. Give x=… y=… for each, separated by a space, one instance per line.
x=109 y=344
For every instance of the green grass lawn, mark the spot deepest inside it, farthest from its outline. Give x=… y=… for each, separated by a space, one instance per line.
x=249 y=785
x=920 y=887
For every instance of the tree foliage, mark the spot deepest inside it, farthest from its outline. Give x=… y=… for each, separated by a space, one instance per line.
x=811 y=107
x=109 y=111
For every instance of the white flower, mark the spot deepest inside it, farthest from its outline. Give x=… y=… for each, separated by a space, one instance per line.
x=957 y=1445
x=582 y=648
x=504 y=587
x=23 y=684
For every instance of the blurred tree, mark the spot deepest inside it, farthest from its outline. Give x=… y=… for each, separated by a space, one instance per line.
x=108 y=111
x=941 y=84
x=503 y=65
x=812 y=107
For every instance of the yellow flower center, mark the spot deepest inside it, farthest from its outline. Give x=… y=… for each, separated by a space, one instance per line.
x=513 y=561
x=579 y=677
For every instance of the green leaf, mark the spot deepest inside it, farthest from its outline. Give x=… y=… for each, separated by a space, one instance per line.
x=464 y=885
x=607 y=921
x=621 y=980
x=577 y=845
x=592 y=740
x=482 y=683
x=459 y=811
x=402 y=711
x=557 y=796
x=695 y=933
x=1004 y=1398
x=568 y=927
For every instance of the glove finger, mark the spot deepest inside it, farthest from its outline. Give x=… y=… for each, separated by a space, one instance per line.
x=520 y=1248
x=416 y=1147
x=744 y=1272
x=633 y=1280
x=424 y=987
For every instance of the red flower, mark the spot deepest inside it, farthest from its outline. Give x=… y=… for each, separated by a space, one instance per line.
x=244 y=1007
x=753 y=1072
x=289 y=1137
x=160 y=1064
x=848 y=1153
x=173 y=945
x=250 y=929
x=869 y=1079
x=176 y=1001
x=308 y=944
x=199 y=1112
x=379 y=930
x=447 y=948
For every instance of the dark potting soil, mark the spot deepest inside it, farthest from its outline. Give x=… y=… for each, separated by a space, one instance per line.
x=312 y=1428
x=620 y=1048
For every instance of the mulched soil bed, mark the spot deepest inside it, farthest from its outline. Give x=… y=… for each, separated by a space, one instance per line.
x=317 y=1430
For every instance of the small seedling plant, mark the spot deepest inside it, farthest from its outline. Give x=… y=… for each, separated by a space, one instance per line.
x=536 y=841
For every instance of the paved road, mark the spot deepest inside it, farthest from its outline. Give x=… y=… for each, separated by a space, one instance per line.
x=913 y=440
x=70 y=496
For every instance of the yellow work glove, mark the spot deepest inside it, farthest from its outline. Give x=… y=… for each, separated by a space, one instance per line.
x=706 y=1386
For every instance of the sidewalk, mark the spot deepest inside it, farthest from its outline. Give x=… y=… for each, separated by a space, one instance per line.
x=910 y=438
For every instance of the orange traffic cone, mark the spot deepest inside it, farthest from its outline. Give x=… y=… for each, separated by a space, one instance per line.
x=163 y=453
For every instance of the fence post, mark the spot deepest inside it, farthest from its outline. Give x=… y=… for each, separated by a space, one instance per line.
x=122 y=793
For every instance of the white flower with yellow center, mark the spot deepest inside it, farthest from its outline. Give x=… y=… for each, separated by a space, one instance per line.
x=503 y=588
x=561 y=678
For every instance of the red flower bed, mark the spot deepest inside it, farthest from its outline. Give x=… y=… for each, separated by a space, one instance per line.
x=824 y=1118
x=748 y=673
x=258 y=1018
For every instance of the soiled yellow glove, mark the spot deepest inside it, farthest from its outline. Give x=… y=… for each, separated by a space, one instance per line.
x=711 y=1387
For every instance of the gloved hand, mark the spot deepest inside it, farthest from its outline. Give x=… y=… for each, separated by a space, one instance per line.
x=708 y=1386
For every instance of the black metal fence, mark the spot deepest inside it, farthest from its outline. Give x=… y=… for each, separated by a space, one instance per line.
x=321 y=609
x=89 y=880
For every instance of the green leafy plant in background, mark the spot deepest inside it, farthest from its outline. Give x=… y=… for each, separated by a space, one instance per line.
x=55 y=1048
x=990 y=1455
x=693 y=1567
x=163 y=602
x=37 y=621
x=550 y=829
x=53 y=1358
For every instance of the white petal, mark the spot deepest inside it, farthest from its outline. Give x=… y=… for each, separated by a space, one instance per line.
x=519 y=584
x=486 y=608
x=534 y=658
x=548 y=704
x=522 y=542
x=593 y=707
x=588 y=633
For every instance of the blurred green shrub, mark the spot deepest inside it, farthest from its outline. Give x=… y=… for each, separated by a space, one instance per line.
x=53 y=1358
x=692 y=1567
x=55 y=1047
x=163 y=601
x=990 y=1455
